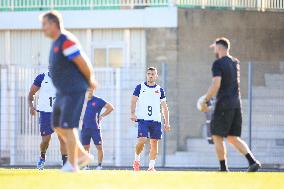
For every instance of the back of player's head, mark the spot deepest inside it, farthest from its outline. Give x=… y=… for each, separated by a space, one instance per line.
x=53 y=16
x=224 y=42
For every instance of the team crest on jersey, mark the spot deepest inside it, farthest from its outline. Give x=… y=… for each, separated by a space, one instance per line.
x=55 y=49
x=94 y=104
x=157 y=91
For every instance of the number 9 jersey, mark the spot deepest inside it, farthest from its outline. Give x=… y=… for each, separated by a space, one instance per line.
x=149 y=102
x=47 y=93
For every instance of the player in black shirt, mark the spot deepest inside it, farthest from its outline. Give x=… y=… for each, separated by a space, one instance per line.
x=227 y=116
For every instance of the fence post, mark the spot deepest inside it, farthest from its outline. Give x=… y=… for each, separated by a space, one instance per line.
x=250 y=80
x=164 y=81
x=117 y=119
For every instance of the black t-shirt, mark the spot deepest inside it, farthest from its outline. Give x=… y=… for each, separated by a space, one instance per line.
x=228 y=68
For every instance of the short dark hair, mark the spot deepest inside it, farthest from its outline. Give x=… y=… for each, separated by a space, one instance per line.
x=224 y=42
x=152 y=69
x=53 y=16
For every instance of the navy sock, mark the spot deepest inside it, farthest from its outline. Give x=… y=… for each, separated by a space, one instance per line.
x=250 y=158
x=42 y=155
x=100 y=164
x=223 y=165
x=64 y=159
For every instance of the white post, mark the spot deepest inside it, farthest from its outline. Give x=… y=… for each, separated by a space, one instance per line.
x=117 y=119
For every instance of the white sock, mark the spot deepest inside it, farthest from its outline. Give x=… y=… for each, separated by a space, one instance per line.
x=137 y=157
x=152 y=163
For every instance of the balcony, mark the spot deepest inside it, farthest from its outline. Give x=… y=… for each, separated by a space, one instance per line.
x=42 y=5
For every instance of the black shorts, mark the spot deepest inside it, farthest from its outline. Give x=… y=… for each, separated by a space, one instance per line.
x=227 y=122
x=67 y=110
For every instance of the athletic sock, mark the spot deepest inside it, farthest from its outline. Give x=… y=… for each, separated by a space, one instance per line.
x=137 y=157
x=99 y=164
x=152 y=164
x=250 y=158
x=64 y=159
x=223 y=165
x=42 y=155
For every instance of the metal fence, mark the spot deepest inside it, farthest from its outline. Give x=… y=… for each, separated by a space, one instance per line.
x=37 y=5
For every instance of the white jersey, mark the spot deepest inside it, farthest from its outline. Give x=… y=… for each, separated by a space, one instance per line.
x=46 y=95
x=149 y=102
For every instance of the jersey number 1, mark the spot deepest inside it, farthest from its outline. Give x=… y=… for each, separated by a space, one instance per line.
x=150 y=112
x=51 y=101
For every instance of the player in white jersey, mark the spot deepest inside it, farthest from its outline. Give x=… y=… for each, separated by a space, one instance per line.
x=46 y=97
x=146 y=103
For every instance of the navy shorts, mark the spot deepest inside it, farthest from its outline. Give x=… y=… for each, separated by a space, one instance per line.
x=45 y=123
x=149 y=129
x=67 y=110
x=91 y=133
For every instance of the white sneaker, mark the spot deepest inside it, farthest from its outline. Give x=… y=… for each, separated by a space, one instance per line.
x=86 y=168
x=85 y=160
x=99 y=168
x=68 y=167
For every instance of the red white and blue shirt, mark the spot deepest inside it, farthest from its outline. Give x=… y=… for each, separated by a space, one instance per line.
x=65 y=75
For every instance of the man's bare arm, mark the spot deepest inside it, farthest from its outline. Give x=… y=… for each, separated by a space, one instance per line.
x=109 y=108
x=86 y=68
x=214 y=88
x=165 y=111
x=33 y=90
x=134 y=100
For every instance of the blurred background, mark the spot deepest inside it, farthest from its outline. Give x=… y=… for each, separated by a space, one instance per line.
x=122 y=38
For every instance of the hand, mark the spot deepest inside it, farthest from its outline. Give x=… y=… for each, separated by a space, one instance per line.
x=133 y=117
x=100 y=118
x=32 y=111
x=167 y=127
x=204 y=107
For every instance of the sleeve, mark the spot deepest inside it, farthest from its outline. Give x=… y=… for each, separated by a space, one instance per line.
x=163 y=95
x=137 y=90
x=101 y=102
x=38 y=80
x=71 y=49
x=216 y=69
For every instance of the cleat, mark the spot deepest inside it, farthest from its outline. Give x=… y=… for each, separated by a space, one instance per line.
x=40 y=164
x=152 y=169
x=87 y=168
x=227 y=170
x=99 y=168
x=136 y=165
x=254 y=167
x=68 y=168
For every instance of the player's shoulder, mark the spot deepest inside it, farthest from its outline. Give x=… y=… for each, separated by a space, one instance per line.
x=68 y=36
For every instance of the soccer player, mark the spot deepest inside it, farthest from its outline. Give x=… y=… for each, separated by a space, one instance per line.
x=72 y=75
x=150 y=98
x=92 y=124
x=227 y=116
x=43 y=85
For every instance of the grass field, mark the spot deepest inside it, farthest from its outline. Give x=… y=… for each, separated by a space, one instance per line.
x=52 y=179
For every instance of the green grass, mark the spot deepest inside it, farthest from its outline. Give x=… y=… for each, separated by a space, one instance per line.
x=52 y=179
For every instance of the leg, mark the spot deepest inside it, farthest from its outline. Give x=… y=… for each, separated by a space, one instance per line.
x=243 y=148
x=44 y=145
x=153 y=152
x=220 y=151
x=87 y=148
x=140 y=146
x=63 y=149
x=100 y=154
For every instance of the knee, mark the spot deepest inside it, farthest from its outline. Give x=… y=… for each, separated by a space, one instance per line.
x=142 y=141
x=45 y=141
x=100 y=148
x=232 y=139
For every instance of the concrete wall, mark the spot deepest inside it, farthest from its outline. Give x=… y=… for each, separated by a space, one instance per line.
x=255 y=36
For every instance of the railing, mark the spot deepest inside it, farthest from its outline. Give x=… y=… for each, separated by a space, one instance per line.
x=35 y=5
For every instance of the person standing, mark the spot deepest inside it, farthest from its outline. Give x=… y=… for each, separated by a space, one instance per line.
x=149 y=98
x=72 y=75
x=227 y=117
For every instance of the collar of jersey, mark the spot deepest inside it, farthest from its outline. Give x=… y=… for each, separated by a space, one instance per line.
x=150 y=86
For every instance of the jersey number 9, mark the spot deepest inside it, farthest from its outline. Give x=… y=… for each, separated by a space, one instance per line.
x=150 y=112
